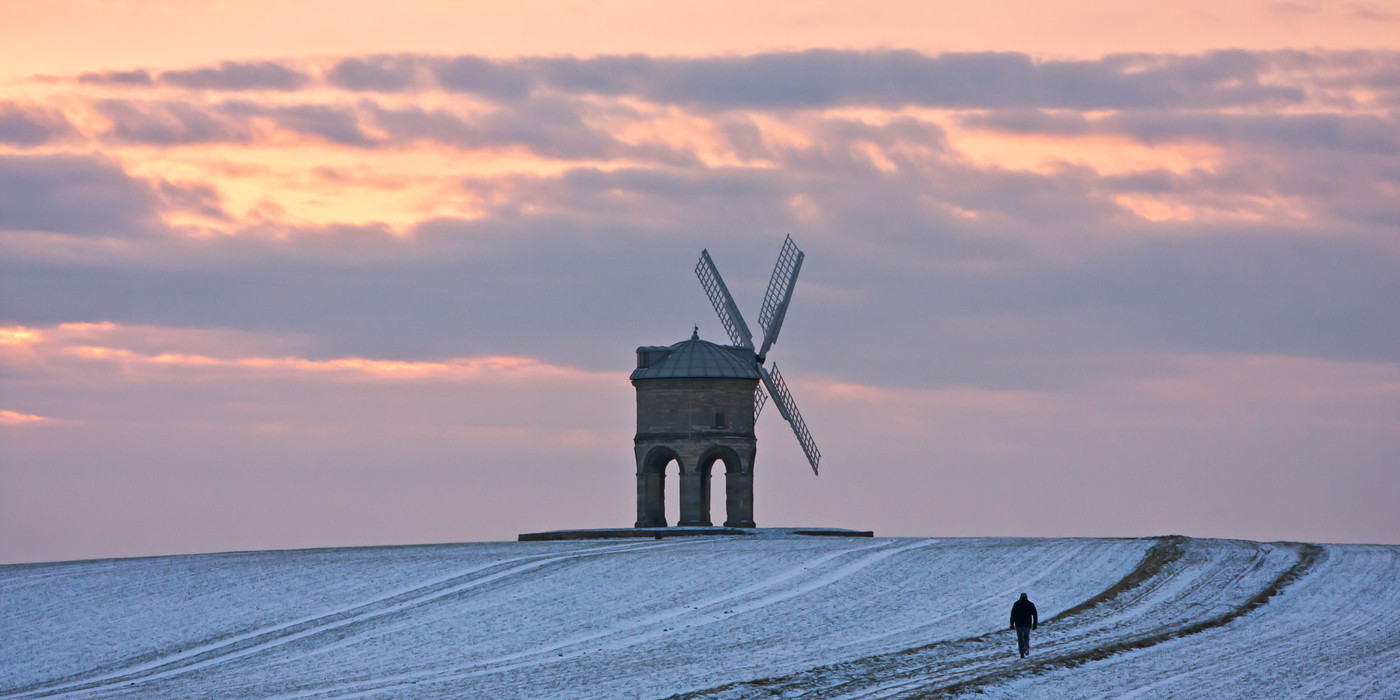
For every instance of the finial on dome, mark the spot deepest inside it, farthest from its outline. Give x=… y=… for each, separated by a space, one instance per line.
x=695 y=334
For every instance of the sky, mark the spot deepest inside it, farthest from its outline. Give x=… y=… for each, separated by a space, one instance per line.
x=279 y=275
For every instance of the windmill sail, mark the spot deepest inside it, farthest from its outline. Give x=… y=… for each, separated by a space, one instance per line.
x=724 y=303
x=775 y=300
x=782 y=398
x=775 y=304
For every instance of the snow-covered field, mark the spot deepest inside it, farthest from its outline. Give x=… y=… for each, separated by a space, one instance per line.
x=730 y=617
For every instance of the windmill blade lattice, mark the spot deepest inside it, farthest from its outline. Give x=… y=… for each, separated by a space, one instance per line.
x=775 y=300
x=782 y=398
x=775 y=305
x=724 y=303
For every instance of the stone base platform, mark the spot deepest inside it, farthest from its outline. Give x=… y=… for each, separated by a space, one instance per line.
x=663 y=532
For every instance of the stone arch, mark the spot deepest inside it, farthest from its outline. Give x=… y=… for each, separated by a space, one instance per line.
x=651 y=485
x=738 y=485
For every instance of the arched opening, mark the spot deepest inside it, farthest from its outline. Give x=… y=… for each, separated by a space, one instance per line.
x=723 y=488
x=671 y=471
x=717 y=487
x=654 y=504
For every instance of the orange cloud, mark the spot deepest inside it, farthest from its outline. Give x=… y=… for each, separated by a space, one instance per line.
x=65 y=36
x=19 y=335
x=17 y=418
x=138 y=348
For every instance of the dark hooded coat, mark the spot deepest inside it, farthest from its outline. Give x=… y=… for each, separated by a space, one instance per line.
x=1023 y=614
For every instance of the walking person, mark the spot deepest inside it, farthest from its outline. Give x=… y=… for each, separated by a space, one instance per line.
x=1024 y=618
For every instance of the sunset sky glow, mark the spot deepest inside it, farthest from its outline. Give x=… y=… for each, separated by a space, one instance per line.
x=326 y=273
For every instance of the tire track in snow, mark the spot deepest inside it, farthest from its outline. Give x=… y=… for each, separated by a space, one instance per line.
x=1308 y=556
x=1000 y=595
x=646 y=626
x=19 y=575
x=809 y=576
x=223 y=649
x=858 y=672
x=1160 y=590
x=1344 y=610
x=1087 y=643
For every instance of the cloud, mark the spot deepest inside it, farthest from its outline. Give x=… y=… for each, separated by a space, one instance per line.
x=193 y=198
x=498 y=79
x=578 y=283
x=83 y=195
x=1001 y=306
x=94 y=197
x=92 y=343
x=601 y=75
x=177 y=123
x=120 y=78
x=379 y=73
x=237 y=76
x=824 y=78
x=230 y=76
x=1364 y=133
x=1028 y=121
x=29 y=125
x=888 y=195
x=546 y=126
x=170 y=123
x=551 y=127
x=333 y=123
x=136 y=360
x=13 y=418
x=1370 y=12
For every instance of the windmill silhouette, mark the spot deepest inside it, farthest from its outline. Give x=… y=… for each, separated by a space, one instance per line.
x=697 y=403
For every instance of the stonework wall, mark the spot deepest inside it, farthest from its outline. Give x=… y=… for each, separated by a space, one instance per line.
x=687 y=406
x=676 y=420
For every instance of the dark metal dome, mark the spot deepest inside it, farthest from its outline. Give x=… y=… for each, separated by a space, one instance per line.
x=693 y=359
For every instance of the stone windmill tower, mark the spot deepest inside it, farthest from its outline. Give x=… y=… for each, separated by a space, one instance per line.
x=697 y=403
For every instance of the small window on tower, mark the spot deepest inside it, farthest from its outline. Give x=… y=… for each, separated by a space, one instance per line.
x=642 y=358
x=721 y=420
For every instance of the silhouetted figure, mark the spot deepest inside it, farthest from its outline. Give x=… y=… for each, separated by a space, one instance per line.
x=1024 y=618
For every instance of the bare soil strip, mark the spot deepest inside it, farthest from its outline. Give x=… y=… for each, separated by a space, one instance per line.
x=1153 y=603
x=1309 y=556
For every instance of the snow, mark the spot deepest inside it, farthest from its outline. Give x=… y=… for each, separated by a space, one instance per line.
x=711 y=617
x=1334 y=633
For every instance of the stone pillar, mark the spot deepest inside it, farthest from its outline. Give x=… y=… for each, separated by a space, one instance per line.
x=693 y=512
x=738 y=499
x=705 y=497
x=651 y=499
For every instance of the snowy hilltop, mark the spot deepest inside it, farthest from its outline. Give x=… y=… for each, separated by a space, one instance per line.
x=735 y=617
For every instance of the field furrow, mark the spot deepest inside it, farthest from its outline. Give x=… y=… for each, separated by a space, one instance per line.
x=707 y=617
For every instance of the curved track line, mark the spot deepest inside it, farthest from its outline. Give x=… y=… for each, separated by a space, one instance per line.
x=244 y=644
x=1159 y=567
x=856 y=675
x=764 y=593
x=655 y=620
x=1010 y=590
x=1308 y=556
x=1276 y=642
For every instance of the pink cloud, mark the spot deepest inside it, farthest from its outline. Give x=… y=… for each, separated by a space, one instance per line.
x=17 y=418
x=144 y=352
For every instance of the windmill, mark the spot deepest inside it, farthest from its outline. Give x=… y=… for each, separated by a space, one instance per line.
x=770 y=320
x=697 y=403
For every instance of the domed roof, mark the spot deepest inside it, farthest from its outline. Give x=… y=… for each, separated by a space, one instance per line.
x=695 y=358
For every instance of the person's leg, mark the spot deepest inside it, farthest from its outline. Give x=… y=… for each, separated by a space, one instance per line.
x=1023 y=640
